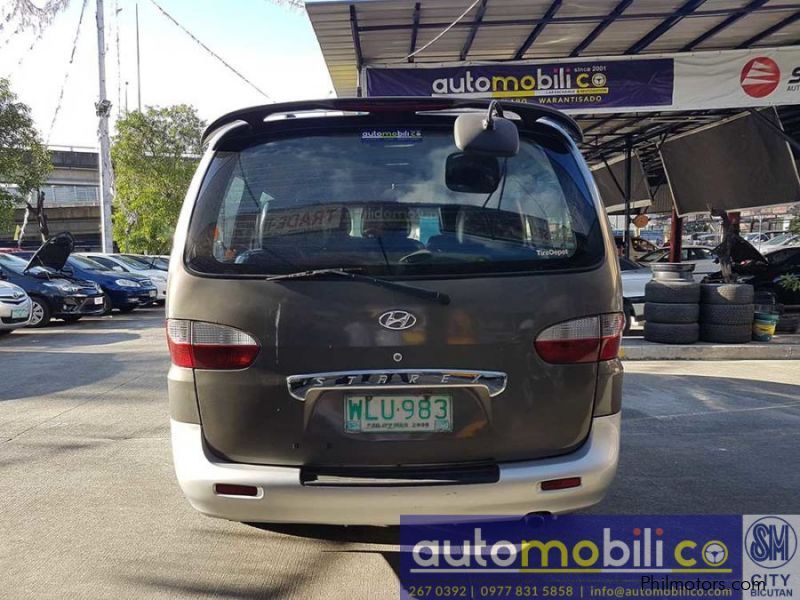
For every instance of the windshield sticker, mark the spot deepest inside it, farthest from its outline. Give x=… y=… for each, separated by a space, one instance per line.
x=552 y=252
x=285 y=222
x=372 y=136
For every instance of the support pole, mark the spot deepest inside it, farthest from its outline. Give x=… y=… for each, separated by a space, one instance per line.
x=138 y=66
x=675 y=237
x=103 y=109
x=626 y=240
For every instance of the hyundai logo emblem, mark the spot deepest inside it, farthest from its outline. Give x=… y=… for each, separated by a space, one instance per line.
x=17 y=294
x=397 y=320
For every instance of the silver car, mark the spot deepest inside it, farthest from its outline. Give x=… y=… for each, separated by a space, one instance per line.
x=15 y=307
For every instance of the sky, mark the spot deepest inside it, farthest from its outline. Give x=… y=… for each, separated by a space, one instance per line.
x=272 y=44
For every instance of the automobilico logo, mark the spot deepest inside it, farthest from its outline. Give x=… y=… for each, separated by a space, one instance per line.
x=770 y=542
x=760 y=77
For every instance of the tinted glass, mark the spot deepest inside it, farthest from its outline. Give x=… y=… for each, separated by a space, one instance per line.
x=656 y=256
x=141 y=261
x=377 y=201
x=131 y=263
x=109 y=264
x=85 y=263
x=628 y=265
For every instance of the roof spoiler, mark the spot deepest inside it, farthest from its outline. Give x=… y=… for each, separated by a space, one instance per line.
x=254 y=116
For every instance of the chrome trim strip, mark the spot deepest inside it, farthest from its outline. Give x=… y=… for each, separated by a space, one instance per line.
x=299 y=385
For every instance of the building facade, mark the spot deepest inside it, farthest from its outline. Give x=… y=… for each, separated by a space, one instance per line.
x=72 y=200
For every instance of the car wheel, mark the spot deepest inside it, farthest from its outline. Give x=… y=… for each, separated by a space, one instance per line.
x=40 y=313
x=4 y=332
x=726 y=293
x=107 y=306
x=671 y=333
x=659 y=312
x=672 y=292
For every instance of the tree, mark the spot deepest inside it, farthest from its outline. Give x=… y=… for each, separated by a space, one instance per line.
x=18 y=16
x=24 y=160
x=155 y=154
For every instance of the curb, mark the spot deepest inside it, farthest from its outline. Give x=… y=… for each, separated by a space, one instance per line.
x=638 y=349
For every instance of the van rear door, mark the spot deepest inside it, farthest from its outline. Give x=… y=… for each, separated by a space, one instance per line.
x=355 y=373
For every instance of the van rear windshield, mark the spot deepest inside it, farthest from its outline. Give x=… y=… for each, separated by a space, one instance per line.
x=391 y=201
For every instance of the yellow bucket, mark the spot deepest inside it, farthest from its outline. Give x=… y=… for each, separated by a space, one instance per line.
x=764 y=326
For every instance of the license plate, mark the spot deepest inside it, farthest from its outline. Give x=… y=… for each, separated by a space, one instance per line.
x=98 y=300
x=152 y=293
x=19 y=313
x=401 y=414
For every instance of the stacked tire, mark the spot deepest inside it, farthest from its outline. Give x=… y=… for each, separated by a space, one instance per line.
x=671 y=311
x=726 y=313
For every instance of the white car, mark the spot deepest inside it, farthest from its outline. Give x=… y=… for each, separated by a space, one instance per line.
x=123 y=264
x=634 y=278
x=784 y=240
x=701 y=257
x=15 y=307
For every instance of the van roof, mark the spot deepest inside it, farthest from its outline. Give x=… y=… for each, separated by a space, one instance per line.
x=255 y=116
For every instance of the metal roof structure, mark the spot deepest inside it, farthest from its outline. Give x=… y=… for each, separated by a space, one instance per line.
x=355 y=33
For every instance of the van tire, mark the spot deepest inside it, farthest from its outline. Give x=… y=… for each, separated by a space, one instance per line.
x=661 y=312
x=726 y=293
x=672 y=292
x=671 y=333
x=727 y=314
x=725 y=334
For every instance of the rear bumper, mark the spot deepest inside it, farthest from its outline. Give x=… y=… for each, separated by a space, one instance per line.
x=283 y=499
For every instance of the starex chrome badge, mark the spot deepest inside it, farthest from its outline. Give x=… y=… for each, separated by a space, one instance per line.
x=300 y=385
x=397 y=320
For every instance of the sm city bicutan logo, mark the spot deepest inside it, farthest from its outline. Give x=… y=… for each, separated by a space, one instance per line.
x=770 y=542
x=641 y=550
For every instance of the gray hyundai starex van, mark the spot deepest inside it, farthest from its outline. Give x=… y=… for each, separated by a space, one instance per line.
x=393 y=306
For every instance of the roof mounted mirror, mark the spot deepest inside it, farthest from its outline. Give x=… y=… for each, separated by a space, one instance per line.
x=491 y=134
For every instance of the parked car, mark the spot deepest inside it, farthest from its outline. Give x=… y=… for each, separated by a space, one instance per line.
x=15 y=306
x=764 y=274
x=53 y=294
x=786 y=239
x=123 y=264
x=634 y=278
x=701 y=256
x=639 y=246
x=335 y=351
x=123 y=293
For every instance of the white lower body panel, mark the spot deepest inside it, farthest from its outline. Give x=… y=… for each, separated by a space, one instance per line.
x=283 y=499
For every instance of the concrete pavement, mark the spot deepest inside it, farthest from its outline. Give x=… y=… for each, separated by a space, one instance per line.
x=90 y=509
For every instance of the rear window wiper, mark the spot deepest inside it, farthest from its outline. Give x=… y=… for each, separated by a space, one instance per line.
x=439 y=297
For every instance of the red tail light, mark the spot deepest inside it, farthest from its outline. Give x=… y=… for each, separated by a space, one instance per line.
x=585 y=340
x=198 y=345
